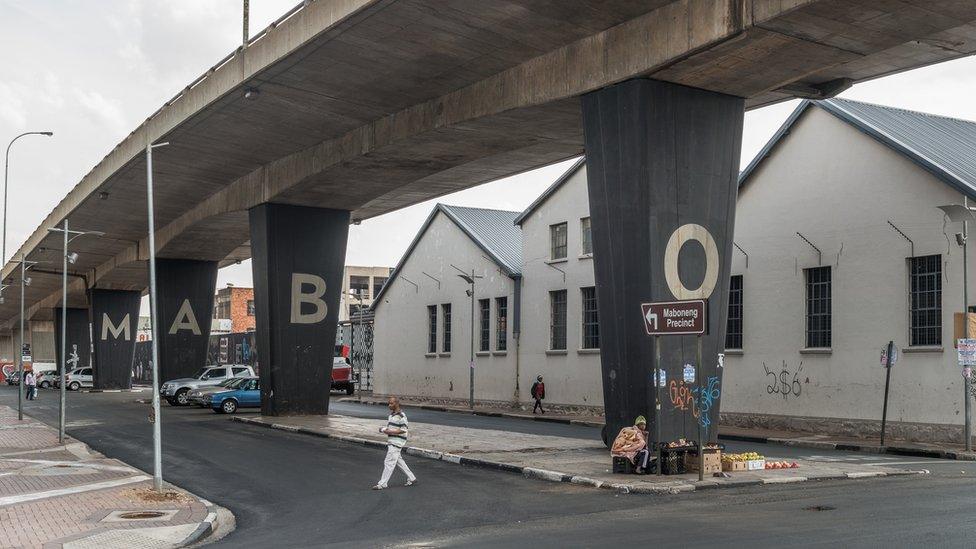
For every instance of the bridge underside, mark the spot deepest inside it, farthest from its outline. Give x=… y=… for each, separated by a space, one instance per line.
x=368 y=106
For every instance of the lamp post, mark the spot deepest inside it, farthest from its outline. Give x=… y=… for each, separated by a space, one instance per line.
x=24 y=281
x=6 y=173
x=66 y=257
x=154 y=325
x=470 y=292
x=964 y=214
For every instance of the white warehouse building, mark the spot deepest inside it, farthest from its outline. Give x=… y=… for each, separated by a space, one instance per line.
x=839 y=248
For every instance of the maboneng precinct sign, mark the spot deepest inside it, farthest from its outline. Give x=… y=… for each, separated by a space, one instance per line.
x=674 y=317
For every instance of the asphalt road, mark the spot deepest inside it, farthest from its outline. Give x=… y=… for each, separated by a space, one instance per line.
x=290 y=490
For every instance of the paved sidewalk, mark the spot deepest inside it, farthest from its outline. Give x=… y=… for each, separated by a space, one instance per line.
x=54 y=495
x=766 y=436
x=557 y=459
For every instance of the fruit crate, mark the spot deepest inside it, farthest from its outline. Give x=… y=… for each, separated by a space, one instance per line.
x=674 y=460
x=713 y=460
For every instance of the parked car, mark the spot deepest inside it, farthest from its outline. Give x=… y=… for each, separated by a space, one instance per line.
x=176 y=391
x=195 y=396
x=342 y=377
x=246 y=395
x=76 y=379
x=45 y=374
x=14 y=378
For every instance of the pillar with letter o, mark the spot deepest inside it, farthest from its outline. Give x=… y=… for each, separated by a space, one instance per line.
x=114 y=322
x=662 y=167
x=298 y=254
x=185 y=290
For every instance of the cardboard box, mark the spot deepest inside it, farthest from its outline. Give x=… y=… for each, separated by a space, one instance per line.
x=713 y=461
x=733 y=466
x=959 y=326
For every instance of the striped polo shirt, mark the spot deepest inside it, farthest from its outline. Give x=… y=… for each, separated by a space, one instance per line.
x=397 y=420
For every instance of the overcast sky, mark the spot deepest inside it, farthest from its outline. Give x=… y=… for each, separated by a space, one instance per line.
x=93 y=70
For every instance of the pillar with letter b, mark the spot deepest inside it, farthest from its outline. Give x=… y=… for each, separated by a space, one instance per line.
x=662 y=162
x=185 y=290
x=298 y=255
x=114 y=321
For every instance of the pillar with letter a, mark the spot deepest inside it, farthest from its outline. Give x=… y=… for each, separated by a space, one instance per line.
x=77 y=338
x=185 y=290
x=297 y=256
x=114 y=321
x=662 y=166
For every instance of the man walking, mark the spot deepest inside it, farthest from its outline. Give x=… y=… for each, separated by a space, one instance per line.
x=30 y=384
x=396 y=437
x=538 y=392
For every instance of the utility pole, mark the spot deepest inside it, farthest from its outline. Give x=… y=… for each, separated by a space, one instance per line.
x=157 y=428
x=967 y=382
x=470 y=280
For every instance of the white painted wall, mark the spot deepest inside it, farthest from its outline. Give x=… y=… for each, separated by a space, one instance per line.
x=839 y=187
x=572 y=377
x=402 y=365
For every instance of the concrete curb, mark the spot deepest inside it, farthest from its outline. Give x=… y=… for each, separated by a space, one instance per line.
x=207 y=527
x=112 y=390
x=678 y=486
x=797 y=443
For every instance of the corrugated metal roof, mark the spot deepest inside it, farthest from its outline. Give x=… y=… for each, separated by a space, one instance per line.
x=944 y=146
x=494 y=230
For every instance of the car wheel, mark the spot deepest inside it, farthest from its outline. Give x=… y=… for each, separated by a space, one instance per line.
x=229 y=406
x=74 y=386
x=350 y=389
x=181 y=397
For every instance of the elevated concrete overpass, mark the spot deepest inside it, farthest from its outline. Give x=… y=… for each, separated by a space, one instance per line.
x=367 y=106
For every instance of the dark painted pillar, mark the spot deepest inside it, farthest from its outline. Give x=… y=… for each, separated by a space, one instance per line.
x=297 y=257
x=185 y=290
x=77 y=338
x=662 y=166
x=114 y=322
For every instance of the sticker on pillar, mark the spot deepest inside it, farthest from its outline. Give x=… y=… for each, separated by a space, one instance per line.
x=688 y=374
x=116 y=330
x=662 y=378
x=185 y=320
x=721 y=360
x=679 y=238
x=307 y=289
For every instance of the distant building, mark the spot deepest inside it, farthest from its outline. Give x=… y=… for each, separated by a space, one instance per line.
x=363 y=283
x=235 y=304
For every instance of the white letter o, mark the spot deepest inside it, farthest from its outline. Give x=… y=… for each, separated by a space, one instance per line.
x=678 y=239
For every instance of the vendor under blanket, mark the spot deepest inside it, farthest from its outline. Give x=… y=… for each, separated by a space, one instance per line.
x=563 y=459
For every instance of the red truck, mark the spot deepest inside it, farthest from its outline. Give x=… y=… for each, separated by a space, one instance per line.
x=342 y=377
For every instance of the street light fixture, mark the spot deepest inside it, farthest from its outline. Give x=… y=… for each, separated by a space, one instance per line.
x=964 y=214
x=66 y=257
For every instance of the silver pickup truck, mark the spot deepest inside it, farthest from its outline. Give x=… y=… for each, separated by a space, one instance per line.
x=175 y=392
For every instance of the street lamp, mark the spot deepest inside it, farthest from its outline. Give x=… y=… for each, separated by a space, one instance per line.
x=66 y=258
x=470 y=293
x=964 y=214
x=6 y=173
x=24 y=282
x=154 y=325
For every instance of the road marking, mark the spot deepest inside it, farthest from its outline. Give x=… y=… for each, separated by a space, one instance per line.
x=927 y=462
x=11 y=500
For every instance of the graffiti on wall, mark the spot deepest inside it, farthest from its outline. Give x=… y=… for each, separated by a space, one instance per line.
x=699 y=400
x=784 y=382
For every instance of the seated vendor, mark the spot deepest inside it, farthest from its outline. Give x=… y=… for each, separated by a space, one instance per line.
x=631 y=443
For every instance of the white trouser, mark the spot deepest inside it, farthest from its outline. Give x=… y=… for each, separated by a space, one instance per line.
x=394 y=459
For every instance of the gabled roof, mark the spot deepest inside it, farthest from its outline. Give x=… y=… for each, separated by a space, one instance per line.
x=551 y=190
x=494 y=231
x=946 y=147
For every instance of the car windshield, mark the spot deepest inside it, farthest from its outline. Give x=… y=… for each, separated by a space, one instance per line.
x=199 y=374
x=233 y=382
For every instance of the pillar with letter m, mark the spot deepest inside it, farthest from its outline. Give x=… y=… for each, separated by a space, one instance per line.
x=298 y=255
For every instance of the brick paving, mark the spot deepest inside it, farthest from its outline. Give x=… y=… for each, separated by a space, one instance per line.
x=55 y=495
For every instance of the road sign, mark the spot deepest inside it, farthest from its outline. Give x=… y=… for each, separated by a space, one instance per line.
x=674 y=317
x=884 y=356
x=967 y=351
x=25 y=353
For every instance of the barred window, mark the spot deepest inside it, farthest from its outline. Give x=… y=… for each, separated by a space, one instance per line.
x=446 y=312
x=484 y=305
x=733 y=331
x=557 y=322
x=501 y=327
x=591 y=320
x=926 y=300
x=557 y=241
x=586 y=237
x=818 y=307
x=432 y=328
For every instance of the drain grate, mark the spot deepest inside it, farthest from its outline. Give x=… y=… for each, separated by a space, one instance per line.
x=820 y=508
x=141 y=514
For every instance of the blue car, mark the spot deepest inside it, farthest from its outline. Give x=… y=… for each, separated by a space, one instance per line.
x=246 y=395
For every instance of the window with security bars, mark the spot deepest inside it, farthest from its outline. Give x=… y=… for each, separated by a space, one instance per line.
x=501 y=327
x=557 y=322
x=586 y=237
x=557 y=241
x=484 y=306
x=925 y=275
x=591 y=320
x=446 y=313
x=818 y=308
x=733 y=331
x=432 y=328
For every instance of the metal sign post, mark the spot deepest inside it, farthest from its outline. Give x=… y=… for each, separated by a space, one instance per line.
x=887 y=355
x=658 y=387
x=701 y=398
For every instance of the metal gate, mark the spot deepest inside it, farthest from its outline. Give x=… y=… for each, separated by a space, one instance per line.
x=358 y=335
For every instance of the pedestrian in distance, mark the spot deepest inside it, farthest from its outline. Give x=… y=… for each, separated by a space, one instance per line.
x=30 y=383
x=396 y=432
x=538 y=392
